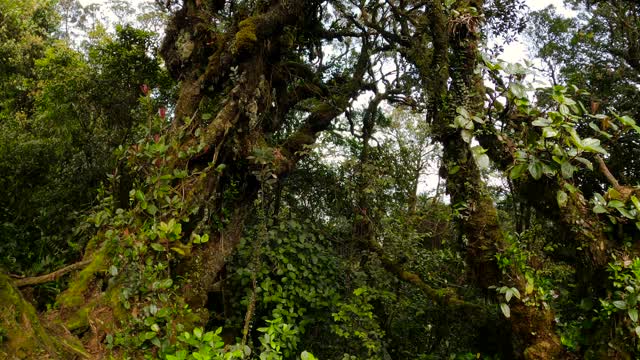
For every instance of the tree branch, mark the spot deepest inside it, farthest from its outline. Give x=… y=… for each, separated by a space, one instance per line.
x=607 y=174
x=444 y=296
x=37 y=280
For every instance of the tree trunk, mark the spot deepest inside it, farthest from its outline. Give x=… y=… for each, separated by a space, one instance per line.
x=23 y=336
x=242 y=78
x=532 y=328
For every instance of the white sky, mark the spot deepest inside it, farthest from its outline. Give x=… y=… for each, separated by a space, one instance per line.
x=89 y=2
x=515 y=52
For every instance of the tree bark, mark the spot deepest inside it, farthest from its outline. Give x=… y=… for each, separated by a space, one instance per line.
x=37 y=280
x=480 y=225
x=243 y=77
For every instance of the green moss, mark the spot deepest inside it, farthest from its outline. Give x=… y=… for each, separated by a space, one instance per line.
x=24 y=336
x=114 y=303
x=79 y=319
x=92 y=245
x=74 y=296
x=246 y=36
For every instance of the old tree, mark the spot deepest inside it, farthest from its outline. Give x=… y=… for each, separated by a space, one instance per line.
x=263 y=191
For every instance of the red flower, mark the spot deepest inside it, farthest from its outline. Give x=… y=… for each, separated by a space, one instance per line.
x=145 y=89
x=162 y=111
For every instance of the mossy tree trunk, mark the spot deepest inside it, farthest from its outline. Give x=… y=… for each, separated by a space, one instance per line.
x=23 y=336
x=585 y=233
x=455 y=58
x=250 y=102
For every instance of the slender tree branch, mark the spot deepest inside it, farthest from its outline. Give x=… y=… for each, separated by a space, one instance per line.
x=444 y=296
x=37 y=280
x=605 y=171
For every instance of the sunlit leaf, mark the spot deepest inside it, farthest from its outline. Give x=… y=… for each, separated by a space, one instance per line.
x=599 y=209
x=505 y=310
x=157 y=247
x=620 y=304
x=567 y=170
x=542 y=122
x=467 y=135
x=593 y=145
x=562 y=198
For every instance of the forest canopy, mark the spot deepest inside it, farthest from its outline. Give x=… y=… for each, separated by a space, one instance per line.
x=319 y=179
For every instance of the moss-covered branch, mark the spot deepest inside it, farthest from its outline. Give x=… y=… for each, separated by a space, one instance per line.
x=37 y=280
x=443 y=296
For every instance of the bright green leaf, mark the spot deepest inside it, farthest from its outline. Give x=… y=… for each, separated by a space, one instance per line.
x=505 y=310
x=620 y=304
x=466 y=135
x=178 y=250
x=599 y=209
x=157 y=247
x=542 y=122
x=562 y=198
x=586 y=162
x=567 y=170
x=549 y=132
x=307 y=356
x=615 y=204
x=152 y=209
x=625 y=213
x=483 y=161
x=535 y=169
x=593 y=145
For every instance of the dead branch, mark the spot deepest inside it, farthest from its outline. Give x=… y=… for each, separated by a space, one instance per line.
x=36 y=280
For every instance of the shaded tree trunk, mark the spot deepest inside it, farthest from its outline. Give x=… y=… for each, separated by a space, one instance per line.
x=533 y=329
x=242 y=78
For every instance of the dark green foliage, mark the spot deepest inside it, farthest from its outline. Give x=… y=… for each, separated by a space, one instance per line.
x=24 y=36
x=298 y=279
x=57 y=145
x=280 y=206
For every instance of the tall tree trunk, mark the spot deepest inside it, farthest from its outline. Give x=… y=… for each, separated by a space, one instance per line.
x=458 y=37
x=242 y=77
